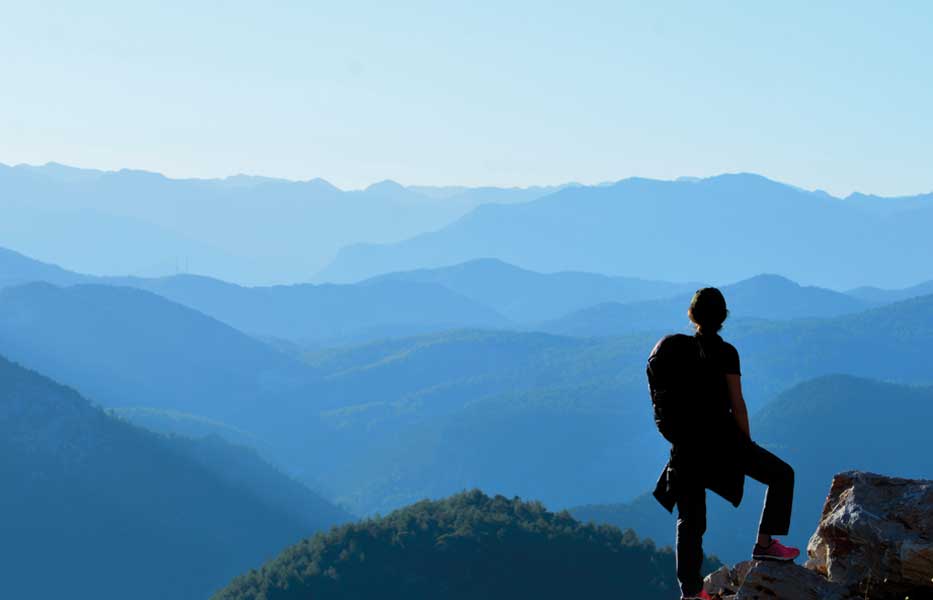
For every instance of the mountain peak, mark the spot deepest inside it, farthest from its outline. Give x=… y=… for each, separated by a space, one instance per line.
x=137 y=175
x=319 y=183
x=771 y=280
x=386 y=186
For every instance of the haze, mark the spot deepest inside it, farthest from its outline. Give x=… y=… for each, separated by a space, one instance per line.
x=831 y=97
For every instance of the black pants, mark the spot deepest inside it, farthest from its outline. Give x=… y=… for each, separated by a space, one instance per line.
x=760 y=465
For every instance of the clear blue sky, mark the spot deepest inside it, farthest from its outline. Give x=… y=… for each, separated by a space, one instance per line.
x=836 y=96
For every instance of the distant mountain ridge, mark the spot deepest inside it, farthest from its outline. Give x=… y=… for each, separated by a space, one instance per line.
x=873 y=294
x=326 y=313
x=484 y=293
x=128 y=347
x=261 y=230
x=247 y=229
x=723 y=228
x=769 y=297
x=528 y=297
x=307 y=313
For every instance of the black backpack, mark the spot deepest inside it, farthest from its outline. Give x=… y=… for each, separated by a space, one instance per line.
x=677 y=378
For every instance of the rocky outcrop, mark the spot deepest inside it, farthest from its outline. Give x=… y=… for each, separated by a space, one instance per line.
x=876 y=535
x=874 y=540
x=763 y=580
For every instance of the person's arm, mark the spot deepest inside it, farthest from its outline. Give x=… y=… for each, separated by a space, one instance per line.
x=739 y=410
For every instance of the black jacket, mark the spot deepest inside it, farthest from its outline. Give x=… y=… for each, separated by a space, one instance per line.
x=714 y=466
x=714 y=461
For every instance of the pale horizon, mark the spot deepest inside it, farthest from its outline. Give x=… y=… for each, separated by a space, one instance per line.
x=829 y=97
x=417 y=184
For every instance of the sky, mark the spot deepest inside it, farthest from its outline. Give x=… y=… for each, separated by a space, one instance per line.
x=829 y=95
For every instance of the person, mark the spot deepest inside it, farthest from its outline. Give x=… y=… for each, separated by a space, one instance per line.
x=717 y=450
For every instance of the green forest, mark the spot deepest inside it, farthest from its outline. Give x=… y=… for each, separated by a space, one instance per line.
x=467 y=546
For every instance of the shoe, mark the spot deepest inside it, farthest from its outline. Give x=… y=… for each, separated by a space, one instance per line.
x=775 y=551
x=701 y=596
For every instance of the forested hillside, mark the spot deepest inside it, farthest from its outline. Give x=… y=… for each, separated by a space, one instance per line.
x=117 y=511
x=465 y=547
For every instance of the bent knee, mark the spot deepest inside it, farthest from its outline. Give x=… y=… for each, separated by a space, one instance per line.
x=691 y=526
x=785 y=475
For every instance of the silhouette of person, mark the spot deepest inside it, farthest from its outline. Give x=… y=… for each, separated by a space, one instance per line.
x=719 y=453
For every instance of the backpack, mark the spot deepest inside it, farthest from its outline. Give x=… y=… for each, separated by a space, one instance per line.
x=677 y=380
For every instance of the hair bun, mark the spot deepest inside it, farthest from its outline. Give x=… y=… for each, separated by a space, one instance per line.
x=708 y=310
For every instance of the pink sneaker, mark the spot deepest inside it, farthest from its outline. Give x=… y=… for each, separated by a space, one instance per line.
x=701 y=596
x=775 y=551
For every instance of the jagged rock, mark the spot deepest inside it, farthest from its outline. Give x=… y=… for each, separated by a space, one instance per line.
x=874 y=540
x=760 y=580
x=787 y=581
x=876 y=536
x=726 y=581
x=720 y=582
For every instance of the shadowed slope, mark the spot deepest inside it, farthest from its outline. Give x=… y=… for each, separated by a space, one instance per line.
x=121 y=512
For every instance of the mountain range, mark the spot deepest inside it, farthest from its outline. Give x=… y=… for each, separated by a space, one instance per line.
x=435 y=367
x=529 y=297
x=254 y=230
x=719 y=229
x=260 y=230
x=553 y=417
x=385 y=423
x=484 y=293
x=768 y=297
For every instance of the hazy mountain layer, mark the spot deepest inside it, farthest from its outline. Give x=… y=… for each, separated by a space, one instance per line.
x=529 y=297
x=384 y=424
x=243 y=229
x=719 y=229
x=127 y=347
x=878 y=295
x=555 y=417
x=327 y=313
x=769 y=297
x=305 y=313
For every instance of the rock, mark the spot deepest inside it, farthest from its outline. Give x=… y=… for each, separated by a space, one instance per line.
x=787 y=581
x=874 y=541
x=726 y=581
x=875 y=537
x=760 y=580
x=720 y=582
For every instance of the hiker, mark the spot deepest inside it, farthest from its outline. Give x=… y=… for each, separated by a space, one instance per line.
x=696 y=390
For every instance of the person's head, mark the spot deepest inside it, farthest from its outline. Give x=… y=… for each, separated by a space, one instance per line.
x=708 y=310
